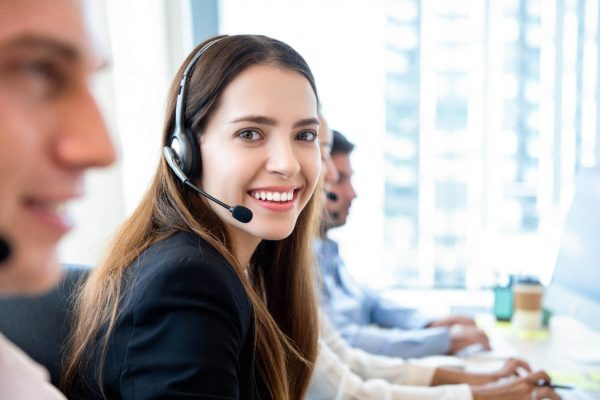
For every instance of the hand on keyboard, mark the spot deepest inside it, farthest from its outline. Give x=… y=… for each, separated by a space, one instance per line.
x=522 y=388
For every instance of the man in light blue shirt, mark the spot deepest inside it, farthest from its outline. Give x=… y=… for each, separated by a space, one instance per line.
x=365 y=319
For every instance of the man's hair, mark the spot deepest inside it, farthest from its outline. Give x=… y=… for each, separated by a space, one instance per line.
x=341 y=144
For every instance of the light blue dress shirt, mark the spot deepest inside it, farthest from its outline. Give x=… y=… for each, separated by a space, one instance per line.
x=347 y=373
x=370 y=322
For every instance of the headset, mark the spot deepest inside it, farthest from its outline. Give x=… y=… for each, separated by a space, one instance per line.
x=5 y=249
x=182 y=152
x=182 y=141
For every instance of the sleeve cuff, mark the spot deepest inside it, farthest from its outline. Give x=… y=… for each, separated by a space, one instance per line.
x=457 y=392
x=418 y=375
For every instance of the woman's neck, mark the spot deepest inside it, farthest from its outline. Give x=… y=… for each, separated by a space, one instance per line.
x=243 y=246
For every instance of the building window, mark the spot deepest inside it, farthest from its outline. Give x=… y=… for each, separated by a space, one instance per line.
x=490 y=110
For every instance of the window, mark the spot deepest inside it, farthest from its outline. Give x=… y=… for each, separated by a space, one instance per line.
x=490 y=110
x=470 y=118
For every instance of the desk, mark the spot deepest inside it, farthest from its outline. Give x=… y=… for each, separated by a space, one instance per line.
x=567 y=350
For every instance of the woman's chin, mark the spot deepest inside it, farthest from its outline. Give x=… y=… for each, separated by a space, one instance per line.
x=277 y=233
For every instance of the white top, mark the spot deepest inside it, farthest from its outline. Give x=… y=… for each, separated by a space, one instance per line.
x=21 y=378
x=345 y=373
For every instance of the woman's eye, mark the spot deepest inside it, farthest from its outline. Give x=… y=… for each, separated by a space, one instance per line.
x=249 y=134
x=307 y=136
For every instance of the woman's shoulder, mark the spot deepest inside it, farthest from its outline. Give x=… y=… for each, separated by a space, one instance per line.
x=185 y=315
x=182 y=251
x=178 y=245
x=185 y=265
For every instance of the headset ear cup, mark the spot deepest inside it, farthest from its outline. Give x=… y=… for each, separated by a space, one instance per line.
x=192 y=152
x=183 y=143
x=185 y=148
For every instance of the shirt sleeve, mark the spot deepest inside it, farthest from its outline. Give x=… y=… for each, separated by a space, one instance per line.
x=390 y=314
x=393 y=342
x=189 y=328
x=23 y=378
x=368 y=365
x=370 y=322
x=345 y=373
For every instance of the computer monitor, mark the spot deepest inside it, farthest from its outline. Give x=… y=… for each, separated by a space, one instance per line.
x=575 y=286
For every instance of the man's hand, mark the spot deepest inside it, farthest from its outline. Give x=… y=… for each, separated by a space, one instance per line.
x=464 y=336
x=451 y=321
x=513 y=367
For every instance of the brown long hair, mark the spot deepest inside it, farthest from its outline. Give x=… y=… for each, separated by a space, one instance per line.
x=279 y=284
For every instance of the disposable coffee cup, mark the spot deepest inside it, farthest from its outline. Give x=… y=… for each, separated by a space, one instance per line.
x=528 y=305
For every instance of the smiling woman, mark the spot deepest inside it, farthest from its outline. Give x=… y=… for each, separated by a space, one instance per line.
x=267 y=146
x=190 y=301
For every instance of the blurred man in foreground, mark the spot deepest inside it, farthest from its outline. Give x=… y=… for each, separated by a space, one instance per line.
x=51 y=131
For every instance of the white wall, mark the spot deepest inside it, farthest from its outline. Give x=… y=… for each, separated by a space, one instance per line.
x=147 y=40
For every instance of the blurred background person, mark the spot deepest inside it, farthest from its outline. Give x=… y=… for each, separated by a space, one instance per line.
x=343 y=372
x=364 y=318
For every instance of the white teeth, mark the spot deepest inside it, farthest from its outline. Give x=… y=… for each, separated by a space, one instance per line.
x=274 y=196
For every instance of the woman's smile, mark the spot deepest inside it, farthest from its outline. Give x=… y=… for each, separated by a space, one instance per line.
x=282 y=198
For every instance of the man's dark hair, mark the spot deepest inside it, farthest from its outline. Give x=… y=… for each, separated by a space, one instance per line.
x=341 y=144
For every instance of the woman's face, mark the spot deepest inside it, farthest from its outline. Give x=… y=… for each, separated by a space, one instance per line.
x=260 y=149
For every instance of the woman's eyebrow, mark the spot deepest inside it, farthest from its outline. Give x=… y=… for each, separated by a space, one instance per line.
x=307 y=121
x=262 y=120
x=257 y=119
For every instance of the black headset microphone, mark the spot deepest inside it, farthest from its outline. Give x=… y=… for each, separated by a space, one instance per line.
x=5 y=250
x=238 y=212
x=182 y=152
x=332 y=197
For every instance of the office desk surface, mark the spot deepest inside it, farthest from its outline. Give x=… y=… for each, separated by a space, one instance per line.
x=567 y=350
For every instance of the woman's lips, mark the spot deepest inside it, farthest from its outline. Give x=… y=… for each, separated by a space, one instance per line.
x=275 y=199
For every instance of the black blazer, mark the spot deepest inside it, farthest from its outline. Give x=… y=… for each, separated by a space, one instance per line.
x=185 y=329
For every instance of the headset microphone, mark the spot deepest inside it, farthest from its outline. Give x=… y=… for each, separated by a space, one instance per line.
x=5 y=250
x=238 y=212
x=331 y=196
